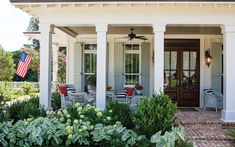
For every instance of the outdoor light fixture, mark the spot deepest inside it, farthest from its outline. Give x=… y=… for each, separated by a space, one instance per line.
x=208 y=57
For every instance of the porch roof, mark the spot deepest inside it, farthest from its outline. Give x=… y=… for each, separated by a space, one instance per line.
x=54 y=1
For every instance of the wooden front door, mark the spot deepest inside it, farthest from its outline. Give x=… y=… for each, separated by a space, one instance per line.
x=181 y=71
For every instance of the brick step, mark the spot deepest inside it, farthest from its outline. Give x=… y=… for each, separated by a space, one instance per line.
x=206 y=132
x=212 y=143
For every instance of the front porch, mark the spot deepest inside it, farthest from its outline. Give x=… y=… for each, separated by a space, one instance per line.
x=105 y=25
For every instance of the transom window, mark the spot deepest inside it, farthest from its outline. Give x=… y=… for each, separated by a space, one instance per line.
x=132 y=64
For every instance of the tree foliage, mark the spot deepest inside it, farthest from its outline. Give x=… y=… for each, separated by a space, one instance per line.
x=7 y=66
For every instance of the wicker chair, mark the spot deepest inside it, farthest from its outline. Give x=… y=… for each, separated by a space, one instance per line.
x=213 y=98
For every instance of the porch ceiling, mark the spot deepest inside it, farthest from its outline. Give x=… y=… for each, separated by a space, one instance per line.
x=79 y=30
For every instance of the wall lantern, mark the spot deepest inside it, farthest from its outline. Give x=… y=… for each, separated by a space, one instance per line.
x=208 y=57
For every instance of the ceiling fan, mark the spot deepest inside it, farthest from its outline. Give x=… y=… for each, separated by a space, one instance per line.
x=132 y=35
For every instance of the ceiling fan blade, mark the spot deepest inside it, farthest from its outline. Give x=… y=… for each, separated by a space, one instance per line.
x=143 y=38
x=140 y=36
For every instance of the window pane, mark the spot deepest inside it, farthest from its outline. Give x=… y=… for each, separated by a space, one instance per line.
x=128 y=46
x=132 y=63
x=90 y=63
x=90 y=46
x=136 y=46
x=131 y=79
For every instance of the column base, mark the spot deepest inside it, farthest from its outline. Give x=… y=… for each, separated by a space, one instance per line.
x=228 y=116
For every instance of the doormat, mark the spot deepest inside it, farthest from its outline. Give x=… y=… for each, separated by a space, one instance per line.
x=188 y=109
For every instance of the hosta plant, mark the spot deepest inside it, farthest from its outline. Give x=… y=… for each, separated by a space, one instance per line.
x=175 y=137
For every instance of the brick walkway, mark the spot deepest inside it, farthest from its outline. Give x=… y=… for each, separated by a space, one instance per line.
x=205 y=129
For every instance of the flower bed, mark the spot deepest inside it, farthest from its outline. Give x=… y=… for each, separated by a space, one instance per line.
x=83 y=126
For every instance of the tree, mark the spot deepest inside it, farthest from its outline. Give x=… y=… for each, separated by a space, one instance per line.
x=7 y=66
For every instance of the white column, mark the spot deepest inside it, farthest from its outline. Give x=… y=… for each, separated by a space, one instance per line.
x=228 y=113
x=159 y=30
x=70 y=60
x=45 y=65
x=101 y=30
x=55 y=49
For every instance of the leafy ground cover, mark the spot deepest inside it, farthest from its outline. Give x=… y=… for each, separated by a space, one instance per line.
x=86 y=125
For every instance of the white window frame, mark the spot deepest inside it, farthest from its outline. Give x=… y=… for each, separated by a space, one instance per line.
x=132 y=52
x=88 y=52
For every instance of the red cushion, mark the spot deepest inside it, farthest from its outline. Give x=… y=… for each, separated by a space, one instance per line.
x=63 y=90
x=129 y=90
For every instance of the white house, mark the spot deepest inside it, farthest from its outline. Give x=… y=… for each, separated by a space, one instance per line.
x=171 y=58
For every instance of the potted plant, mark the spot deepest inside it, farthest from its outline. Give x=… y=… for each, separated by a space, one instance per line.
x=138 y=88
x=91 y=80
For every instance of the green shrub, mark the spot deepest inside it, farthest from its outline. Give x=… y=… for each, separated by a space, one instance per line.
x=24 y=109
x=121 y=112
x=155 y=113
x=6 y=91
x=28 y=88
x=56 y=101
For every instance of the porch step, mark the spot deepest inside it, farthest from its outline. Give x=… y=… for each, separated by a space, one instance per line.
x=212 y=143
x=205 y=129
x=206 y=132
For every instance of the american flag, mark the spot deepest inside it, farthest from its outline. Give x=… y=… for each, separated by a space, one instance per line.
x=23 y=64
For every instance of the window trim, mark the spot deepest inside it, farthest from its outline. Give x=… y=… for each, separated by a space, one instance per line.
x=140 y=61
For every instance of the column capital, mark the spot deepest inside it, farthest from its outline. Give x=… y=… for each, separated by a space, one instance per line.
x=227 y=28
x=43 y=27
x=101 y=27
x=159 y=27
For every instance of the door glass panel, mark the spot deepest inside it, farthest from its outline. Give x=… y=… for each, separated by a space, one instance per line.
x=173 y=60
x=166 y=60
x=193 y=78
x=170 y=71
x=186 y=80
x=167 y=79
x=185 y=60
x=193 y=59
x=173 y=80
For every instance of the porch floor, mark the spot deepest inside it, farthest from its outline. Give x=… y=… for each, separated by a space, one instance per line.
x=204 y=128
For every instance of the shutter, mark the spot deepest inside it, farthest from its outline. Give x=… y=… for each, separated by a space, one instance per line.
x=81 y=77
x=107 y=65
x=145 y=68
x=118 y=65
